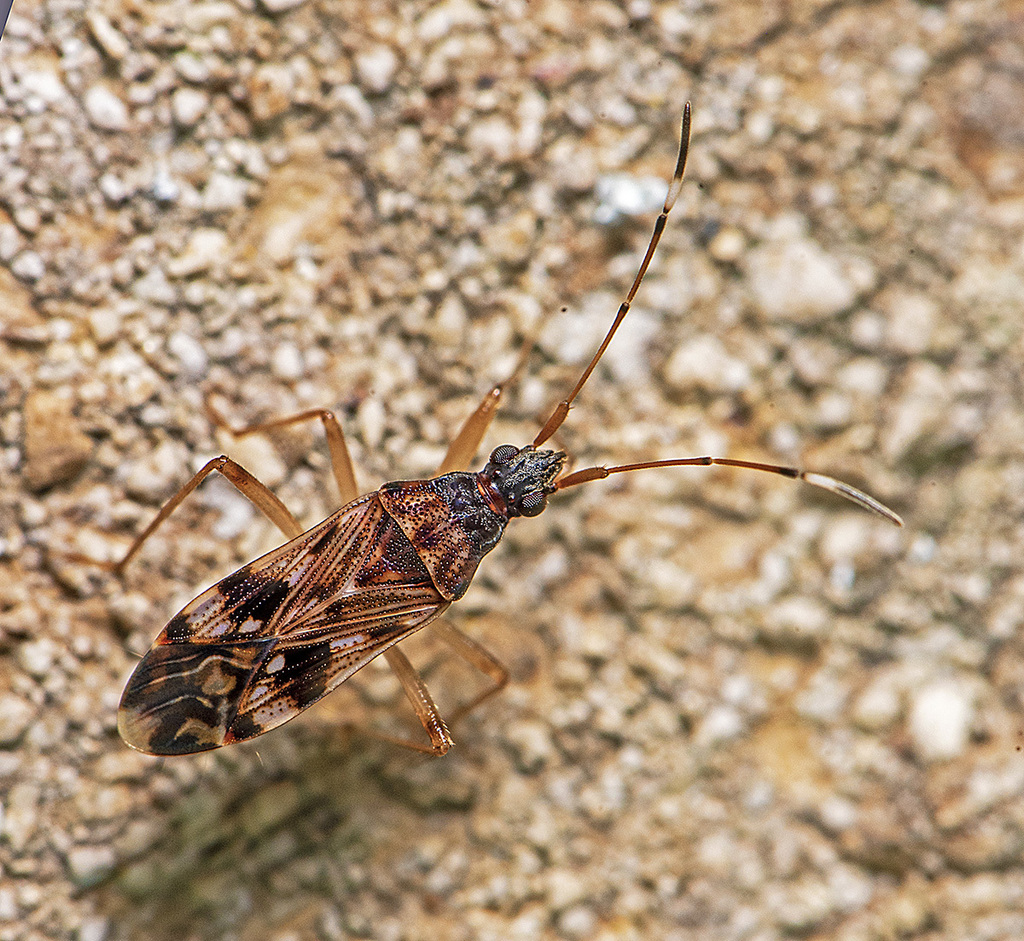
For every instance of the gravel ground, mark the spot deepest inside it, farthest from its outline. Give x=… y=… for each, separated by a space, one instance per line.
x=740 y=708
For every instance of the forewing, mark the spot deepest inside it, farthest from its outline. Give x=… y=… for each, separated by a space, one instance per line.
x=274 y=637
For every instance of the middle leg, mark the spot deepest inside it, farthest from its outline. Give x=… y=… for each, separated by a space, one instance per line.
x=341 y=460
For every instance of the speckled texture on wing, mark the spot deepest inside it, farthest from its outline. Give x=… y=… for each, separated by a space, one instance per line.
x=274 y=637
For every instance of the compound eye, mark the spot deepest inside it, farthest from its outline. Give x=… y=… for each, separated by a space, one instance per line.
x=533 y=504
x=504 y=453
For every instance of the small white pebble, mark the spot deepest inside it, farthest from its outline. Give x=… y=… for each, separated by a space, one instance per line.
x=703 y=363
x=376 y=68
x=719 y=725
x=799 y=616
x=922 y=549
x=798 y=281
x=838 y=813
x=89 y=865
x=224 y=191
x=105 y=110
x=910 y=322
x=877 y=706
x=940 y=720
x=37 y=656
x=105 y=33
x=188 y=105
x=867 y=329
x=909 y=60
x=153 y=476
x=619 y=194
x=842 y=576
x=163 y=187
x=94 y=929
x=43 y=86
x=371 y=420
x=728 y=245
x=15 y=716
x=205 y=248
x=492 y=138
x=577 y=922
x=236 y=515
x=189 y=352
x=113 y=187
x=286 y=361
x=29 y=266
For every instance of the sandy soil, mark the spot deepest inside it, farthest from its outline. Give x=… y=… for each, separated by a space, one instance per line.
x=740 y=708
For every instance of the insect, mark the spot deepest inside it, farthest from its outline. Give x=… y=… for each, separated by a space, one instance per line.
x=271 y=639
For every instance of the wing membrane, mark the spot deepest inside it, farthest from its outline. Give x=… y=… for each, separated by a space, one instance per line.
x=277 y=635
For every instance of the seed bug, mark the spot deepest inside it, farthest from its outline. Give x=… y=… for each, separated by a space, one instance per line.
x=268 y=641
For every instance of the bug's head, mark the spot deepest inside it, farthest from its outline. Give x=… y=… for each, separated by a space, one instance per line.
x=524 y=477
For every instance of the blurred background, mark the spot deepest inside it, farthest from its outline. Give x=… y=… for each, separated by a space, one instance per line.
x=740 y=708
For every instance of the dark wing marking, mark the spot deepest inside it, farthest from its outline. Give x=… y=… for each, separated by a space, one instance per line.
x=274 y=637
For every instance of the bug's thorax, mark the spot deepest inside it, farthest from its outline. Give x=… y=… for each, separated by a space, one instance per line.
x=454 y=520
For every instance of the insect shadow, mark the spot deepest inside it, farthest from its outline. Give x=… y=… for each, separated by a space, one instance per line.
x=274 y=637
x=239 y=848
